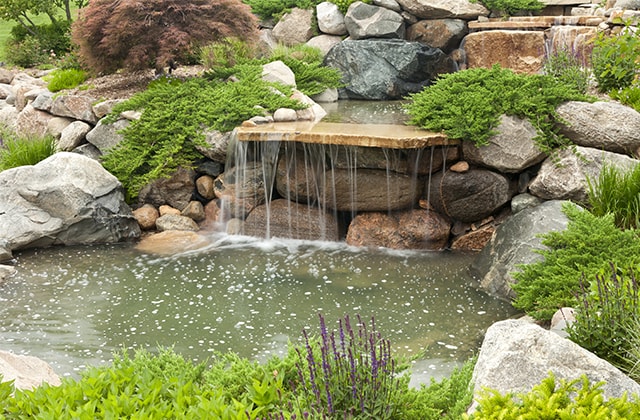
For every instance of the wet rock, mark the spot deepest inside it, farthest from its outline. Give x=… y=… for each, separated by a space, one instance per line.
x=523 y=201
x=27 y=372
x=204 y=185
x=175 y=191
x=6 y=271
x=470 y=196
x=608 y=126
x=176 y=222
x=194 y=210
x=445 y=34
x=146 y=216
x=475 y=240
x=367 y=21
x=515 y=243
x=172 y=242
x=212 y=216
x=286 y=219
x=521 y=51
x=512 y=150
x=241 y=191
x=410 y=229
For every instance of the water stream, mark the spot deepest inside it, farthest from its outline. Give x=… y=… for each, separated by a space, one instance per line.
x=75 y=306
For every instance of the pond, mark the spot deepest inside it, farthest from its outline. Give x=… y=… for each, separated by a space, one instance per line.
x=75 y=306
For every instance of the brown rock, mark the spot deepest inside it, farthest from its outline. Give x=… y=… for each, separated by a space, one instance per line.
x=474 y=240
x=194 y=210
x=410 y=229
x=445 y=34
x=176 y=222
x=172 y=242
x=212 y=217
x=164 y=209
x=78 y=107
x=28 y=372
x=460 y=167
x=175 y=191
x=521 y=51
x=146 y=216
x=240 y=191
x=32 y=122
x=286 y=219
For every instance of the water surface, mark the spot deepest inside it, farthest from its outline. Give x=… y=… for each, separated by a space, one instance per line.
x=75 y=306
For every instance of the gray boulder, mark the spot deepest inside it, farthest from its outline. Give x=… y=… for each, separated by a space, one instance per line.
x=469 y=196
x=516 y=355
x=78 y=107
x=385 y=68
x=514 y=243
x=367 y=21
x=330 y=19
x=442 y=9
x=564 y=176
x=73 y=135
x=66 y=199
x=105 y=136
x=176 y=222
x=608 y=126
x=511 y=150
x=324 y=42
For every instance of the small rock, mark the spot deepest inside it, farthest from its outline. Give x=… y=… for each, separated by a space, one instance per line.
x=146 y=216
x=165 y=209
x=172 y=242
x=6 y=271
x=176 y=222
x=204 y=185
x=194 y=210
x=460 y=167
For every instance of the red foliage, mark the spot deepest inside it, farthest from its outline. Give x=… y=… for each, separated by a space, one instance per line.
x=141 y=34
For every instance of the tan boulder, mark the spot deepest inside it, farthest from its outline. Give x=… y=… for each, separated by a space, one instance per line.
x=521 y=51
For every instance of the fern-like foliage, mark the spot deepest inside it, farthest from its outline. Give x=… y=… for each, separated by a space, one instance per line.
x=172 y=121
x=467 y=105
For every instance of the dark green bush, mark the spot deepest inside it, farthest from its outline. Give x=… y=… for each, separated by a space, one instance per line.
x=21 y=151
x=274 y=9
x=606 y=312
x=616 y=60
x=174 y=113
x=467 y=105
x=585 y=248
x=26 y=49
x=512 y=7
x=576 y=400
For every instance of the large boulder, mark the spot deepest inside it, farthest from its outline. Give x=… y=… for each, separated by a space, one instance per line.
x=66 y=199
x=515 y=243
x=386 y=68
x=443 y=9
x=27 y=372
x=521 y=51
x=445 y=34
x=240 y=190
x=409 y=229
x=32 y=122
x=516 y=355
x=512 y=150
x=105 y=136
x=286 y=219
x=176 y=191
x=565 y=175
x=367 y=21
x=294 y=27
x=469 y=196
x=79 y=107
x=330 y=19
x=608 y=126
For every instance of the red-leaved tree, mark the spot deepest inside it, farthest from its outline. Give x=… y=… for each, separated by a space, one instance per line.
x=141 y=34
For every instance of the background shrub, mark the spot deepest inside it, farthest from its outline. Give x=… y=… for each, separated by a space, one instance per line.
x=615 y=60
x=39 y=45
x=65 y=79
x=156 y=33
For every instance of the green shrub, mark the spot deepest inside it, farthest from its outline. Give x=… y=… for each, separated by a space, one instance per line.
x=274 y=9
x=27 y=53
x=629 y=96
x=565 y=66
x=586 y=247
x=467 y=105
x=174 y=113
x=605 y=313
x=615 y=60
x=575 y=400
x=226 y=53
x=343 y=5
x=65 y=79
x=512 y=7
x=616 y=192
x=21 y=151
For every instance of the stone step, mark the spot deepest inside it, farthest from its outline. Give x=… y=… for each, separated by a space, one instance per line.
x=389 y=136
x=535 y=22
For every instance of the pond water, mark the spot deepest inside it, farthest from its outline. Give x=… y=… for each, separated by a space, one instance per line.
x=75 y=306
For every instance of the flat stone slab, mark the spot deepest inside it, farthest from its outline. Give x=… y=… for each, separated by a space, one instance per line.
x=535 y=22
x=389 y=136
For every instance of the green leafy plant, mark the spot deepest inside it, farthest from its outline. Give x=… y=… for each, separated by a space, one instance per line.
x=616 y=192
x=512 y=7
x=467 y=105
x=226 y=53
x=586 y=247
x=65 y=79
x=27 y=53
x=576 y=400
x=605 y=314
x=568 y=68
x=343 y=5
x=21 y=151
x=174 y=113
x=274 y=9
x=616 y=59
x=629 y=96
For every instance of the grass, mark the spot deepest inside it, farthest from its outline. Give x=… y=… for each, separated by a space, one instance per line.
x=20 y=151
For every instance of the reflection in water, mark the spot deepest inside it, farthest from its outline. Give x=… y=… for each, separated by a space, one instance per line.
x=74 y=306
